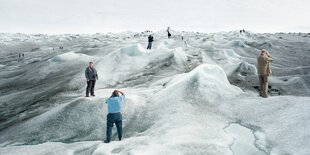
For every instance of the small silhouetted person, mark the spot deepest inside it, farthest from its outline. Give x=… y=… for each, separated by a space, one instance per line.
x=182 y=37
x=169 y=34
x=150 y=40
x=240 y=31
x=91 y=77
x=243 y=31
x=19 y=55
x=23 y=55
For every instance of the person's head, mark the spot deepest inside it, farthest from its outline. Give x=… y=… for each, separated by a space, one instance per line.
x=263 y=52
x=115 y=93
x=91 y=64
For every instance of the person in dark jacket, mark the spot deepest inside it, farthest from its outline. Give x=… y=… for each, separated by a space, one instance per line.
x=150 y=39
x=169 y=34
x=114 y=103
x=91 y=77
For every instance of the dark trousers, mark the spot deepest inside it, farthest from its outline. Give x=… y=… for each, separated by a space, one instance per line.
x=90 y=87
x=117 y=119
x=149 y=46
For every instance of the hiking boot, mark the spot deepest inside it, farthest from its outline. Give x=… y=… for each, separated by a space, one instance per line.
x=106 y=141
x=264 y=96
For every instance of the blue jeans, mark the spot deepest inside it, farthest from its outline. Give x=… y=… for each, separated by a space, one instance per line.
x=117 y=119
x=149 y=46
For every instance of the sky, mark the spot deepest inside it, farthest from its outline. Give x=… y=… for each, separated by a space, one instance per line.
x=99 y=16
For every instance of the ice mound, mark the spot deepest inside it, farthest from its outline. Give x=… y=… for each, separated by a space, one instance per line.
x=133 y=50
x=228 y=59
x=133 y=61
x=75 y=121
x=229 y=54
x=238 y=43
x=247 y=69
x=180 y=57
x=122 y=63
x=244 y=71
x=208 y=82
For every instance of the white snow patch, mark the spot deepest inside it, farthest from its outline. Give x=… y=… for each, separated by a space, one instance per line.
x=70 y=56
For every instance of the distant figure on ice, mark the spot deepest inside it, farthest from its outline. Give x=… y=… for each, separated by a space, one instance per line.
x=168 y=31
x=150 y=40
x=263 y=70
x=114 y=114
x=23 y=55
x=91 y=77
x=19 y=55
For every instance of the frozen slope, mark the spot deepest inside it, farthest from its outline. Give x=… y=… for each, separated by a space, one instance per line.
x=197 y=96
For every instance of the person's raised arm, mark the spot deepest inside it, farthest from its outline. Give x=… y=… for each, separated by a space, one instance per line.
x=123 y=94
x=269 y=58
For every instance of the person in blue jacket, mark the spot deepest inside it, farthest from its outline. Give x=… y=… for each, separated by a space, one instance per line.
x=114 y=114
x=91 y=77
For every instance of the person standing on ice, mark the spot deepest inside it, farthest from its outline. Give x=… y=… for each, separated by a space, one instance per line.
x=169 y=34
x=150 y=40
x=91 y=77
x=263 y=71
x=114 y=114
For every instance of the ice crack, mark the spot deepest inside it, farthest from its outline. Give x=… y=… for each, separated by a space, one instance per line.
x=247 y=139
